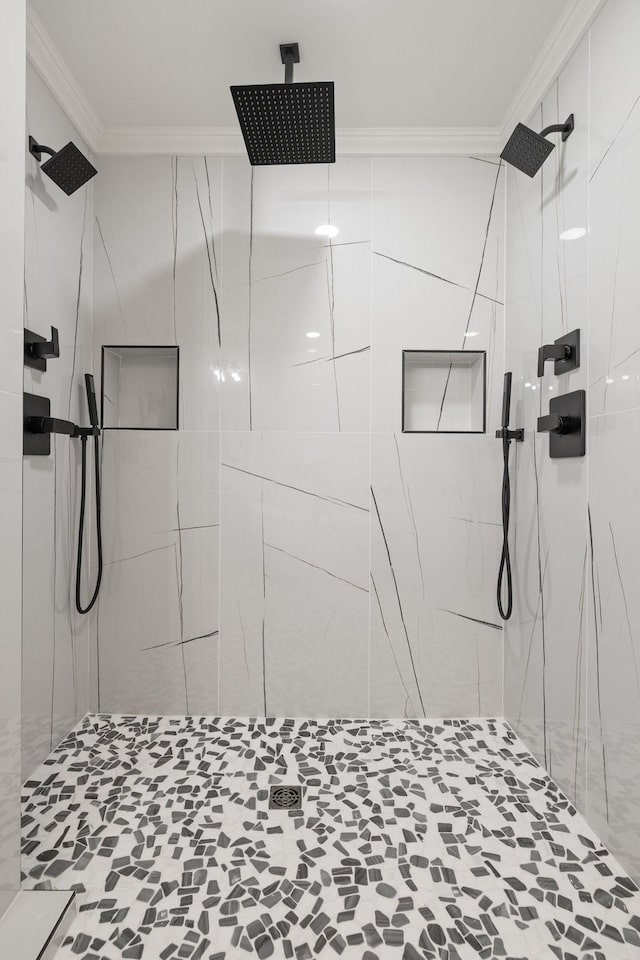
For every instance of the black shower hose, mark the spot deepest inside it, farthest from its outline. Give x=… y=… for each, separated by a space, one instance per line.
x=505 y=559
x=83 y=498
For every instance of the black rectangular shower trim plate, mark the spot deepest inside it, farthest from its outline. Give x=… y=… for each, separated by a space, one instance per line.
x=571 y=407
x=35 y=444
x=572 y=362
x=36 y=363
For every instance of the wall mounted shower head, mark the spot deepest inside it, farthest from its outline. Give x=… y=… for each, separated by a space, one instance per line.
x=287 y=122
x=68 y=168
x=528 y=150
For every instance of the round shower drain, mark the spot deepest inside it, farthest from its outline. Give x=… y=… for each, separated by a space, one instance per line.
x=285 y=798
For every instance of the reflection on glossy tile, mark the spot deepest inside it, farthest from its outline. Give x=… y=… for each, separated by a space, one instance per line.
x=614 y=642
x=58 y=289
x=283 y=282
x=571 y=685
x=160 y=587
x=294 y=526
x=436 y=639
x=294 y=574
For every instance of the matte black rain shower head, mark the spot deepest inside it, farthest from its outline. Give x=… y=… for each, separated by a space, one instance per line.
x=68 y=168
x=528 y=150
x=287 y=122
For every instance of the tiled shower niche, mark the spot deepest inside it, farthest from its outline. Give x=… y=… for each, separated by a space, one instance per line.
x=140 y=387
x=443 y=391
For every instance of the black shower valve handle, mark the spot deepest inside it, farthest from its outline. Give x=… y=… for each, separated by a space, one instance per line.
x=554 y=423
x=48 y=425
x=46 y=349
x=552 y=351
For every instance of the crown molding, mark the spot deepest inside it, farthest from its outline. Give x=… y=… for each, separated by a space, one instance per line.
x=48 y=62
x=574 y=21
x=376 y=141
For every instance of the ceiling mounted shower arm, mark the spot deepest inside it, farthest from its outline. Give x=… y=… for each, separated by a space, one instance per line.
x=566 y=128
x=289 y=54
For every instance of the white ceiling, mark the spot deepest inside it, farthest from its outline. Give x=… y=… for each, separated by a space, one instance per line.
x=395 y=63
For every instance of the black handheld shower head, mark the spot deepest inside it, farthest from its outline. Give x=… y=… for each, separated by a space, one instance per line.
x=287 y=122
x=84 y=433
x=68 y=168
x=91 y=399
x=527 y=150
x=506 y=400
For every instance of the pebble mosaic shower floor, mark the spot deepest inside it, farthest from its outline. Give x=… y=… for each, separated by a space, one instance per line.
x=421 y=840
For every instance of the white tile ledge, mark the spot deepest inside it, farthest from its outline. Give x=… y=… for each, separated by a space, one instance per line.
x=34 y=924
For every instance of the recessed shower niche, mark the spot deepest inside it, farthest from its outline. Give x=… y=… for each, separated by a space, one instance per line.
x=140 y=387
x=443 y=391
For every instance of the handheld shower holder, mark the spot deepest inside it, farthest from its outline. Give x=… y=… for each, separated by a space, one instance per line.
x=505 y=434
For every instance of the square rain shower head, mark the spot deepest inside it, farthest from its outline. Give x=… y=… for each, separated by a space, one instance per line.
x=287 y=122
x=527 y=150
x=69 y=169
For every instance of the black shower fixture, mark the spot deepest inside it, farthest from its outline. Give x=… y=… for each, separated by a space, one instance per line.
x=565 y=352
x=68 y=168
x=287 y=122
x=527 y=150
x=84 y=433
x=506 y=435
x=566 y=425
x=38 y=426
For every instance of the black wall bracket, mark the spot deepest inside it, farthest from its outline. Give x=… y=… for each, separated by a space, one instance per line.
x=505 y=434
x=565 y=351
x=37 y=349
x=566 y=425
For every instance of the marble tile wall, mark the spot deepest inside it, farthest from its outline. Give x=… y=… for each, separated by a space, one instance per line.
x=571 y=651
x=289 y=551
x=157 y=258
x=12 y=127
x=57 y=688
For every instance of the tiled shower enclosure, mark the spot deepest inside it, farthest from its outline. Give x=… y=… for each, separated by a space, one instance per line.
x=289 y=551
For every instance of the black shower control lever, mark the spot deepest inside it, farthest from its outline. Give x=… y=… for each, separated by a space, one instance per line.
x=41 y=425
x=37 y=350
x=566 y=425
x=551 y=352
x=553 y=423
x=565 y=351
